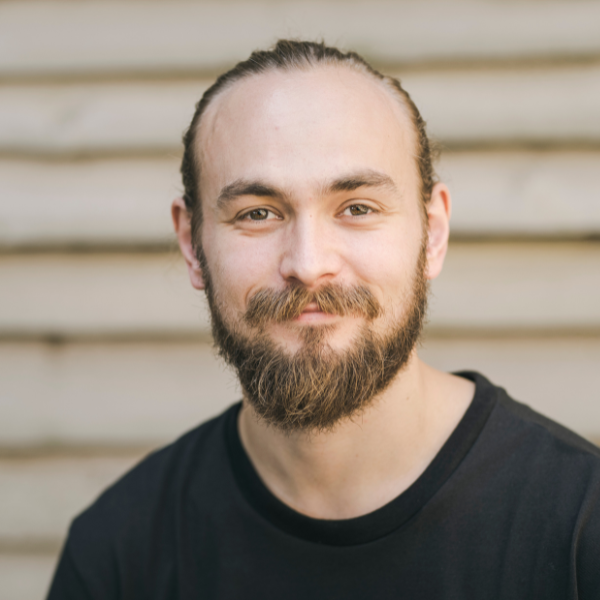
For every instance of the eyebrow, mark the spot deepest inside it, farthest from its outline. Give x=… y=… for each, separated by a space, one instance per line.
x=368 y=178
x=346 y=183
x=244 y=187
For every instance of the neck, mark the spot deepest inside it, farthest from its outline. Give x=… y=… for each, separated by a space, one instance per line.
x=366 y=461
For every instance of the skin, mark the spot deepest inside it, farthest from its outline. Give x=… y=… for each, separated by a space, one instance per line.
x=277 y=153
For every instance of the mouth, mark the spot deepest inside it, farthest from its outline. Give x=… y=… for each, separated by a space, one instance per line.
x=295 y=304
x=313 y=314
x=311 y=307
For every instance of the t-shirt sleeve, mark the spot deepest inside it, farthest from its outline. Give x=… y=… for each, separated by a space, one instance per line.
x=587 y=544
x=68 y=583
x=86 y=569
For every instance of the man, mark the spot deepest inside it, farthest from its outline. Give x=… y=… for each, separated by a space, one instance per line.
x=351 y=469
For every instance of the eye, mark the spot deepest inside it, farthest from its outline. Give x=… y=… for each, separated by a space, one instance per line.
x=257 y=214
x=357 y=210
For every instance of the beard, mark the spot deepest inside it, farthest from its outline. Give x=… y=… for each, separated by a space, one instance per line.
x=316 y=387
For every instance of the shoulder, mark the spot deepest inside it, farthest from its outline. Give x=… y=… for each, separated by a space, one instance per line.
x=124 y=544
x=526 y=430
x=131 y=507
x=532 y=461
x=537 y=483
x=527 y=461
x=543 y=436
x=559 y=479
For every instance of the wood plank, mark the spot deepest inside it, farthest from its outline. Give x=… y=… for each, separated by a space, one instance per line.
x=125 y=201
x=510 y=106
x=42 y=495
x=96 y=117
x=66 y=38
x=496 y=286
x=462 y=106
x=99 y=294
x=116 y=393
x=523 y=193
x=25 y=577
x=484 y=286
x=87 y=203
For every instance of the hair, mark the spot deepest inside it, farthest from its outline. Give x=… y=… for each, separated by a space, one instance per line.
x=288 y=55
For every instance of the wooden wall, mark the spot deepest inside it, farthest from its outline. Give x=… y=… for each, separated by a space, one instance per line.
x=104 y=347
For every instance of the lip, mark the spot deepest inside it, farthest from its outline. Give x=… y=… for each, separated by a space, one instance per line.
x=312 y=308
x=313 y=314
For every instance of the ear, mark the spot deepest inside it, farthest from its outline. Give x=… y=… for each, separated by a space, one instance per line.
x=439 y=209
x=183 y=231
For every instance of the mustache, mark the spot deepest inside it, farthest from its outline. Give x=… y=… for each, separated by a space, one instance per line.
x=287 y=304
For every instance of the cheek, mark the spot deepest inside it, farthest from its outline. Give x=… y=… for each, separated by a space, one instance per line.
x=386 y=260
x=240 y=265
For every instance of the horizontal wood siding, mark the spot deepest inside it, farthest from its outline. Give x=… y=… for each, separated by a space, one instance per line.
x=107 y=394
x=26 y=576
x=98 y=37
x=105 y=350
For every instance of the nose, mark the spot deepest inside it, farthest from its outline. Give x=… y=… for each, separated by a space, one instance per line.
x=309 y=256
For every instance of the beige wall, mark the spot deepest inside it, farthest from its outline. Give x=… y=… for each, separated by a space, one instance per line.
x=104 y=348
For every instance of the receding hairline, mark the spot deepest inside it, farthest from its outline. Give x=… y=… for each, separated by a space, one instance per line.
x=397 y=101
x=390 y=92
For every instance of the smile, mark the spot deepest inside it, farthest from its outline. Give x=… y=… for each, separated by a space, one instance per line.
x=313 y=314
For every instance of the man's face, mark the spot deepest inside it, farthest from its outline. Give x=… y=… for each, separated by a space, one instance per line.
x=309 y=182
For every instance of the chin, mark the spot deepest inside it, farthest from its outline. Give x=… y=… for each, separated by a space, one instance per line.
x=319 y=339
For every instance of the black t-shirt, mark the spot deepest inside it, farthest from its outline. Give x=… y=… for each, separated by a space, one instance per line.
x=509 y=508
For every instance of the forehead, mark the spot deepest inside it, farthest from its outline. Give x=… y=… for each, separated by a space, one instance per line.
x=302 y=126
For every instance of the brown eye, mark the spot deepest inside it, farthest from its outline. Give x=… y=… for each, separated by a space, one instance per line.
x=356 y=210
x=258 y=214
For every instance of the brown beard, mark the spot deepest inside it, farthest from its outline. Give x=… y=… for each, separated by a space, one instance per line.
x=316 y=387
